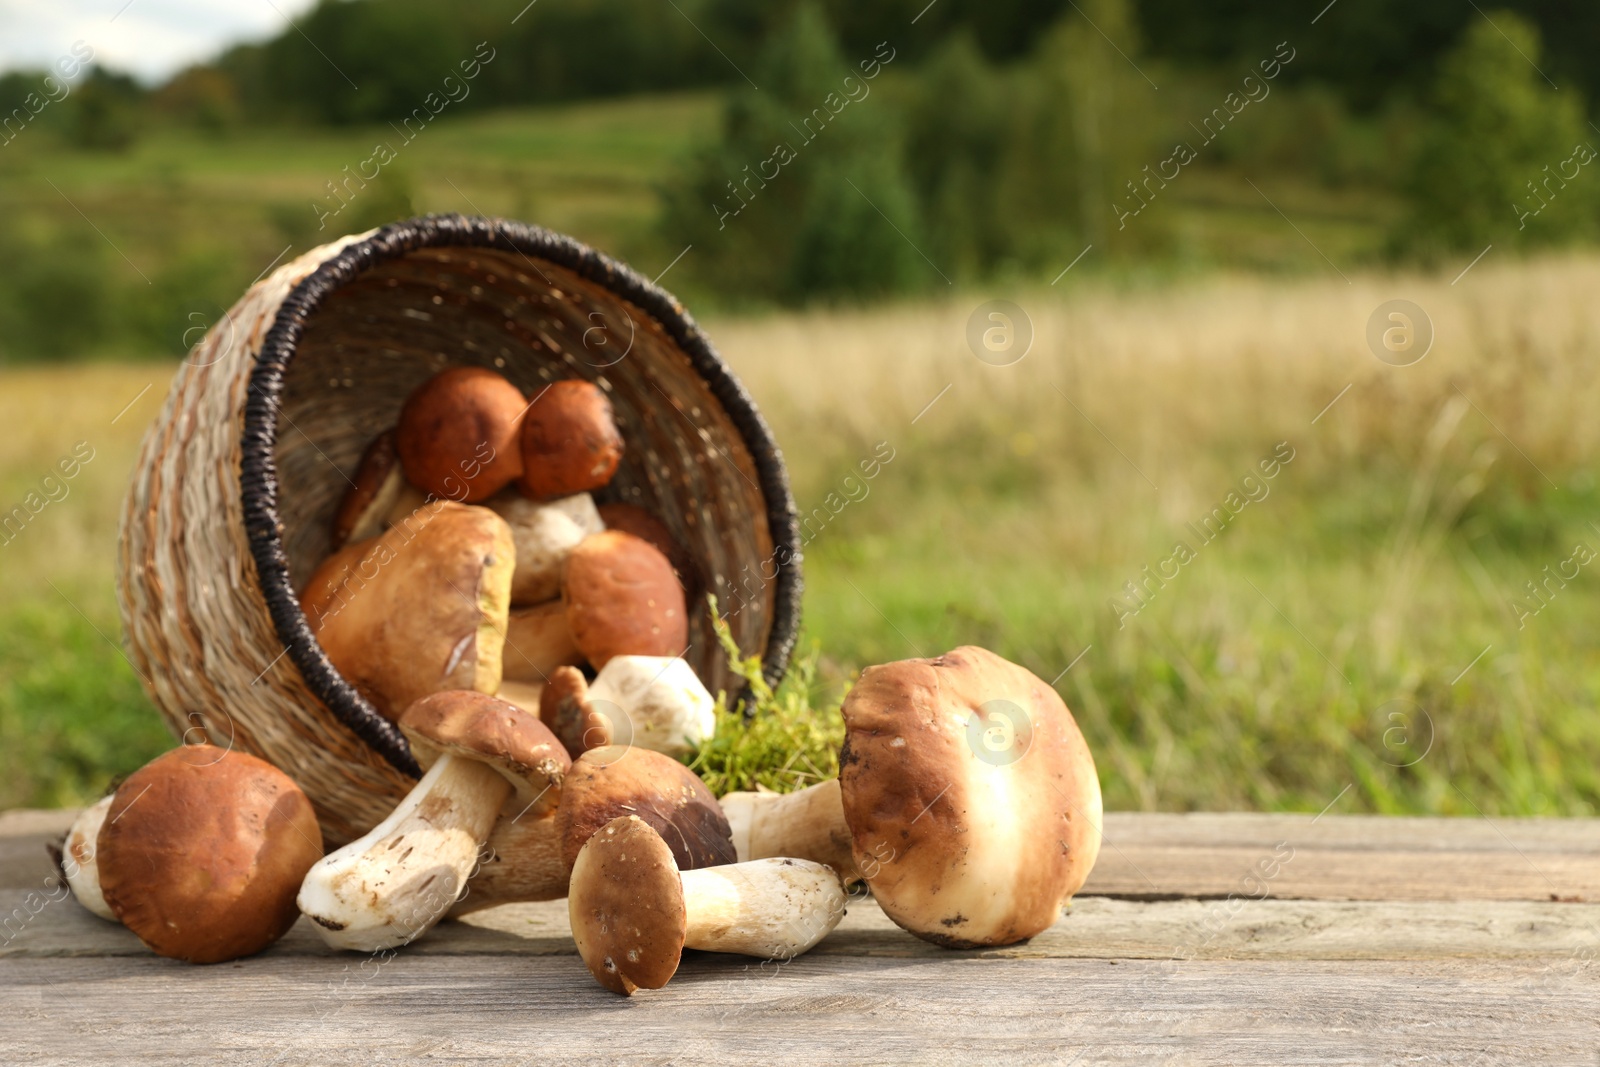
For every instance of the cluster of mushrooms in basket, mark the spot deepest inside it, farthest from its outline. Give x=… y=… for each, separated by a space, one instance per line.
x=528 y=644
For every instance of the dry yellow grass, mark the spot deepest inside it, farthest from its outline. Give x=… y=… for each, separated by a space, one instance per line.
x=1018 y=505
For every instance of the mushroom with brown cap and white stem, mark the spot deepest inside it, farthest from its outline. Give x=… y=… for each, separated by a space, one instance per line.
x=202 y=850
x=79 y=865
x=482 y=756
x=531 y=858
x=377 y=486
x=633 y=911
x=654 y=702
x=966 y=798
x=459 y=434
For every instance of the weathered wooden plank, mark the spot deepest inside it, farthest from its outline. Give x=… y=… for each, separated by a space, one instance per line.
x=1156 y=856
x=1350 y=857
x=816 y=1009
x=1094 y=928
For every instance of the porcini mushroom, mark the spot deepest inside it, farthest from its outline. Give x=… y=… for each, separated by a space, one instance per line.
x=966 y=798
x=459 y=434
x=531 y=858
x=545 y=534
x=654 y=702
x=420 y=609
x=618 y=779
x=633 y=912
x=79 y=862
x=570 y=442
x=373 y=493
x=623 y=599
x=482 y=755
x=202 y=851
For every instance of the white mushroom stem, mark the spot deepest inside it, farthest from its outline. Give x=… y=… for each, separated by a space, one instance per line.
x=78 y=859
x=772 y=908
x=808 y=824
x=384 y=889
x=654 y=702
x=523 y=863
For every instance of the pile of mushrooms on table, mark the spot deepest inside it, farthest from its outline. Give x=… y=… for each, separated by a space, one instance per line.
x=528 y=643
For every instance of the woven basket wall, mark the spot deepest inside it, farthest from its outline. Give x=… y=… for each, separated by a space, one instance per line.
x=238 y=477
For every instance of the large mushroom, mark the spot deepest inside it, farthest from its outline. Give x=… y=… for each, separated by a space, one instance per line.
x=532 y=858
x=483 y=756
x=420 y=609
x=654 y=702
x=202 y=850
x=459 y=435
x=966 y=798
x=633 y=911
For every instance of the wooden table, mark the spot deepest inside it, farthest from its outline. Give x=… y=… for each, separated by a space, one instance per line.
x=1224 y=939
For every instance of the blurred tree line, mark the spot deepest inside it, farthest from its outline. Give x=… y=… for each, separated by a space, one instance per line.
x=882 y=155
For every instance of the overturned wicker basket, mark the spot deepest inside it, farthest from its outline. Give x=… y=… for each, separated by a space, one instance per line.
x=238 y=477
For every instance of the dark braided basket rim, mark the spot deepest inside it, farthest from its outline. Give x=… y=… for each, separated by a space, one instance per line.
x=258 y=475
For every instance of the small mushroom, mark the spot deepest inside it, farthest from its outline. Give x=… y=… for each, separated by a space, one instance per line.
x=202 y=850
x=419 y=609
x=570 y=442
x=531 y=857
x=79 y=862
x=459 y=435
x=654 y=702
x=966 y=798
x=545 y=535
x=618 y=779
x=623 y=599
x=538 y=641
x=372 y=495
x=630 y=518
x=482 y=755
x=633 y=912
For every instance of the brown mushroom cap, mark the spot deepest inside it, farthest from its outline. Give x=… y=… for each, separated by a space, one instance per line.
x=420 y=609
x=463 y=722
x=570 y=442
x=459 y=435
x=630 y=518
x=616 y=780
x=203 y=851
x=623 y=599
x=625 y=902
x=965 y=841
x=565 y=708
x=364 y=511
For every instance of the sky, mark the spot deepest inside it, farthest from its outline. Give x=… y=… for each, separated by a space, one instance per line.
x=151 y=39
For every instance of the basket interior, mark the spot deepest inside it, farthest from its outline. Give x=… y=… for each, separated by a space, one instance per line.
x=379 y=335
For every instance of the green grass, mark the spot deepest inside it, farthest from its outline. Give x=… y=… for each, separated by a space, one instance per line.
x=1380 y=567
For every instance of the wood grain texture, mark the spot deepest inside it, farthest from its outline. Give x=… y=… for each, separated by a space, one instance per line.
x=466 y=1009
x=1151 y=856
x=1242 y=979
x=1347 y=857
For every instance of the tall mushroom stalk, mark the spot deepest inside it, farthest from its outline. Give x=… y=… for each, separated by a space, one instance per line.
x=633 y=912
x=386 y=888
x=966 y=799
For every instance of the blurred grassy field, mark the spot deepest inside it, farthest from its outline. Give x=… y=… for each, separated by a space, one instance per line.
x=1347 y=638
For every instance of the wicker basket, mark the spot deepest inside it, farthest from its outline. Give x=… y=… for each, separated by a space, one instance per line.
x=238 y=477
